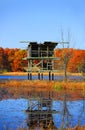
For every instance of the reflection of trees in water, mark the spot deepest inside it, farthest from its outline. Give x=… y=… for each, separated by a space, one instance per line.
x=82 y=111
x=65 y=113
x=40 y=112
x=67 y=116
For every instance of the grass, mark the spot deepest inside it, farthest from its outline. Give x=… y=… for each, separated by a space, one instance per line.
x=43 y=84
x=18 y=88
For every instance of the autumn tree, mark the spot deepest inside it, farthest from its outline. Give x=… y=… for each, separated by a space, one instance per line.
x=3 y=59
x=18 y=63
x=76 y=62
x=71 y=60
x=83 y=67
x=10 y=57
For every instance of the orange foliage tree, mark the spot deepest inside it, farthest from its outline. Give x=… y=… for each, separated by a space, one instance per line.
x=64 y=54
x=9 y=53
x=11 y=59
x=18 y=63
x=2 y=58
x=74 y=63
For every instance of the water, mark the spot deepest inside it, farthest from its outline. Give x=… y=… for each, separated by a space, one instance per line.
x=13 y=115
x=9 y=77
x=40 y=109
x=75 y=110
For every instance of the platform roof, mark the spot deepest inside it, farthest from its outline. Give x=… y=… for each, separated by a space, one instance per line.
x=46 y=43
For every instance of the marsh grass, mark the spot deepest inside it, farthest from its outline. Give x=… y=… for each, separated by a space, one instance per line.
x=16 y=88
x=43 y=84
x=57 y=86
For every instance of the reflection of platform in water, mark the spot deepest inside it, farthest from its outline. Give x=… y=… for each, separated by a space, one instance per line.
x=40 y=113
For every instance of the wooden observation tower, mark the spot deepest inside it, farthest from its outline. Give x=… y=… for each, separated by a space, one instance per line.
x=41 y=58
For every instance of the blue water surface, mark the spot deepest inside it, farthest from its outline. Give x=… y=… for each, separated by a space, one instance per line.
x=9 y=77
x=13 y=115
x=74 y=114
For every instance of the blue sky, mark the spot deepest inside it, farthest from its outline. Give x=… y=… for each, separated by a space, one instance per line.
x=42 y=20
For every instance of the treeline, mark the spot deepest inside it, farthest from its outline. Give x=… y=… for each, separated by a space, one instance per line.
x=72 y=59
x=11 y=59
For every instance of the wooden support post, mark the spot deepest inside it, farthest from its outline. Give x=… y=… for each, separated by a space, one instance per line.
x=28 y=75
x=52 y=76
x=39 y=76
x=31 y=76
x=49 y=75
x=42 y=76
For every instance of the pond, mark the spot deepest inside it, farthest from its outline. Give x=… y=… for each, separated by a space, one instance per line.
x=9 y=77
x=41 y=110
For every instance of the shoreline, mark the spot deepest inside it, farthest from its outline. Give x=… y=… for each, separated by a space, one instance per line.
x=44 y=73
x=19 y=88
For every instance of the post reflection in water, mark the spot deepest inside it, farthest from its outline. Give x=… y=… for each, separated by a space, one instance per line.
x=47 y=113
x=40 y=112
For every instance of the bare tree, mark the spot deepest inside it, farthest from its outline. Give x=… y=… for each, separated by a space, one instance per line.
x=66 y=54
